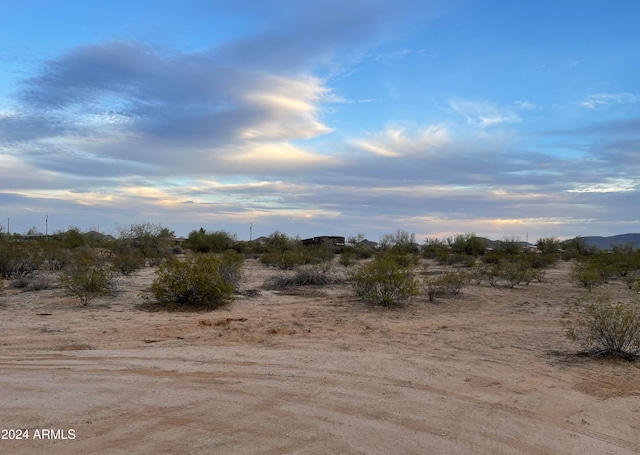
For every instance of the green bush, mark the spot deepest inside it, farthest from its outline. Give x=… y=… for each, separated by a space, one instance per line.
x=604 y=328
x=308 y=275
x=197 y=282
x=87 y=276
x=32 y=282
x=127 y=262
x=348 y=257
x=515 y=273
x=214 y=242
x=587 y=274
x=151 y=241
x=447 y=284
x=384 y=282
x=56 y=258
x=406 y=260
x=17 y=259
x=231 y=267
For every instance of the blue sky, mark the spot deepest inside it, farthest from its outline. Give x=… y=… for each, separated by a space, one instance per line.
x=503 y=118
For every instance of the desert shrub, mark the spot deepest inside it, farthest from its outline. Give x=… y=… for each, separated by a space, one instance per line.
x=434 y=247
x=447 y=284
x=401 y=242
x=297 y=256
x=632 y=282
x=194 y=282
x=231 y=268
x=87 y=276
x=17 y=259
x=605 y=328
x=56 y=258
x=477 y=274
x=317 y=254
x=493 y=273
x=69 y=239
x=32 y=282
x=384 y=282
x=286 y=260
x=493 y=257
x=539 y=260
x=457 y=259
x=127 y=262
x=309 y=275
x=515 y=273
x=347 y=257
x=406 y=260
x=538 y=274
x=509 y=246
x=152 y=241
x=214 y=242
x=577 y=248
x=467 y=244
x=587 y=274
x=363 y=252
x=549 y=245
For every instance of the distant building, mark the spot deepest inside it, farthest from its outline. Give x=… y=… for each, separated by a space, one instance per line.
x=328 y=240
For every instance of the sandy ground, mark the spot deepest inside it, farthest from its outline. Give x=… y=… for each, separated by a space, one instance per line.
x=312 y=372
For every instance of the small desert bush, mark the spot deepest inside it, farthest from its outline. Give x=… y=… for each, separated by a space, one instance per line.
x=492 y=273
x=231 y=267
x=587 y=274
x=402 y=259
x=17 y=259
x=56 y=258
x=515 y=273
x=632 y=282
x=385 y=282
x=195 y=282
x=446 y=284
x=285 y=260
x=457 y=259
x=127 y=262
x=32 y=282
x=87 y=276
x=309 y=275
x=347 y=257
x=605 y=328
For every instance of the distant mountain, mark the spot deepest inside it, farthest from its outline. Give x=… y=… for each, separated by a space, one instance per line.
x=605 y=243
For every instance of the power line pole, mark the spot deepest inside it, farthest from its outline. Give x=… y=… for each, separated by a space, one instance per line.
x=251 y=232
x=46 y=225
x=8 y=226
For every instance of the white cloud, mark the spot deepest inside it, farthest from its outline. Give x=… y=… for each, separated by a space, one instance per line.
x=526 y=105
x=395 y=141
x=620 y=185
x=483 y=113
x=601 y=99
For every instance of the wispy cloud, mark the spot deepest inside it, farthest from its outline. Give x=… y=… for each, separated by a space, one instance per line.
x=114 y=106
x=602 y=99
x=483 y=113
x=527 y=105
x=396 y=141
x=612 y=185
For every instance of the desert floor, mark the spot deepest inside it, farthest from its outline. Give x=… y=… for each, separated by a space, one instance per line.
x=313 y=372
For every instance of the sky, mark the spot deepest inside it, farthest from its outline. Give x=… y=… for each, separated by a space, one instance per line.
x=437 y=117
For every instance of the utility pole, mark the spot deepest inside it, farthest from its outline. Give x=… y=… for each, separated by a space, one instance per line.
x=46 y=225
x=251 y=232
x=8 y=226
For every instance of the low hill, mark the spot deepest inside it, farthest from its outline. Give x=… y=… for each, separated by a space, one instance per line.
x=606 y=243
